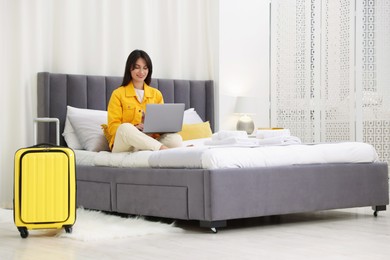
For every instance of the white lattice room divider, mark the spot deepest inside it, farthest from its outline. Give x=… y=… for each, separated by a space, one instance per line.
x=292 y=69
x=376 y=75
x=329 y=70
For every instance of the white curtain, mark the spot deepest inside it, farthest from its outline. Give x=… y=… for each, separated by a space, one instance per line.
x=91 y=37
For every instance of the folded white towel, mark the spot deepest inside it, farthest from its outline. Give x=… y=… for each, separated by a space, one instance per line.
x=240 y=138
x=234 y=141
x=264 y=134
x=277 y=140
x=224 y=134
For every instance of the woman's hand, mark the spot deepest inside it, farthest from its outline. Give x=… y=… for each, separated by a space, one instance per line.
x=140 y=127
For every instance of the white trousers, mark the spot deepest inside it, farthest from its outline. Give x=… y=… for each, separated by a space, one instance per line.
x=129 y=139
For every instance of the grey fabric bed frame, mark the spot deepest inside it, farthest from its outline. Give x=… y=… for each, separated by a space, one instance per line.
x=211 y=197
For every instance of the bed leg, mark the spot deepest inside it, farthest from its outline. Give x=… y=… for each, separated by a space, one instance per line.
x=213 y=225
x=378 y=208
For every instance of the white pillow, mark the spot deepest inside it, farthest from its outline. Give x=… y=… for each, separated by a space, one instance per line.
x=87 y=125
x=191 y=117
x=70 y=136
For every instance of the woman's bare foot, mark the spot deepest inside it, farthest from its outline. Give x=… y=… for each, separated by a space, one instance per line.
x=163 y=147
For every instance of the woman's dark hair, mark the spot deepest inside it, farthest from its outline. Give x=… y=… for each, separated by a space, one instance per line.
x=130 y=63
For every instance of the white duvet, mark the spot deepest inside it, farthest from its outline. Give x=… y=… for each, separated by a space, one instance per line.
x=235 y=156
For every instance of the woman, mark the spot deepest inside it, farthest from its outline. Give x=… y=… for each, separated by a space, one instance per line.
x=127 y=105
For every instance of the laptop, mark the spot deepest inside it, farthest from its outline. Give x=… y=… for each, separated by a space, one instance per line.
x=163 y=118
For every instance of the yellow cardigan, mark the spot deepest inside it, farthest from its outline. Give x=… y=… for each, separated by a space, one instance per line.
x=124 y=107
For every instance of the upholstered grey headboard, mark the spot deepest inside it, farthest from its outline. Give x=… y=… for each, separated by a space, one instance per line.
x=56 y=91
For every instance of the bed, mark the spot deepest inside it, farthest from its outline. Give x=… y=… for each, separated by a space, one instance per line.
x=212 y=196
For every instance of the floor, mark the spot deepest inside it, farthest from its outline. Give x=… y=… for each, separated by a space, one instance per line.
x=334 y=234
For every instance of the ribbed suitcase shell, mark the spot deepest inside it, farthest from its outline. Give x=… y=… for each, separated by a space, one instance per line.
x=44 y=188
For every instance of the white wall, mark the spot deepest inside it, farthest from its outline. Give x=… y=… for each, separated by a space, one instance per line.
x=243 y=58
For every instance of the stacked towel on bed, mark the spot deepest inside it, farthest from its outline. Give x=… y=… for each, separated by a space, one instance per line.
x=276 y=136
x=271 y=132
x=240 y=138
x=237 y=138
x=225 y=134
x=280 y=140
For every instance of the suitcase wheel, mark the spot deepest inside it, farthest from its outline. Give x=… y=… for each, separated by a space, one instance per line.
x=68 y=229
x=23 y=232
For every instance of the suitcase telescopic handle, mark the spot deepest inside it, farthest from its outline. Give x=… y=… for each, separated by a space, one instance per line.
x=44 y=145
x=46 y=120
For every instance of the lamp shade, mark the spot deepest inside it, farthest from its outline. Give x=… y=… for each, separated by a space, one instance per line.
x=245 y=105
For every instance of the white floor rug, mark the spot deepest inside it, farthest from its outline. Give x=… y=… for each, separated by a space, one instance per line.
x=95 y=225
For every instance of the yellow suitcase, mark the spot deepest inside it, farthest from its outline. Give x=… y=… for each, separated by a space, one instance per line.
x=44 y=188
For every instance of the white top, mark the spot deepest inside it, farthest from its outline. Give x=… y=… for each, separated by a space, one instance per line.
x=140 y=94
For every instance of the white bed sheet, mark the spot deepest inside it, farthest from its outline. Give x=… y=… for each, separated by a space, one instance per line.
x=213 y=157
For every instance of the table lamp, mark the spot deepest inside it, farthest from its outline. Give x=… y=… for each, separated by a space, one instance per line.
x=245 y=106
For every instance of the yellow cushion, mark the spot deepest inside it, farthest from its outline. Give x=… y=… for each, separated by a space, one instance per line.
x=105 y=132
x=195 y=131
